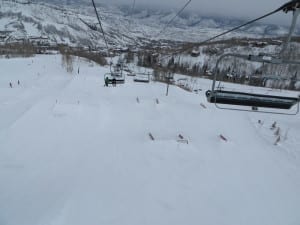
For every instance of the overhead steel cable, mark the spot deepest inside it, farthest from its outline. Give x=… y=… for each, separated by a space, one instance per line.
x=91 y=26
x=286 y=7
x=290 y=6
x=101 y=28
x=171 y=20
x=131 y=21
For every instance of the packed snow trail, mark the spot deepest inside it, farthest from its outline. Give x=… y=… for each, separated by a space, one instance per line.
x=34 y=86
x=79 y=153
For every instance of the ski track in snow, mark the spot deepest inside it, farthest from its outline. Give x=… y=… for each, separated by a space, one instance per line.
x=75 y=152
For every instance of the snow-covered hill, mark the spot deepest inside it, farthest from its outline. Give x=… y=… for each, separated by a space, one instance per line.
x=75 y=152
x=59 y=24
x=69 y=24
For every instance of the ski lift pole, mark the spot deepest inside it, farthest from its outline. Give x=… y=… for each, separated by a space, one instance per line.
x=168 y=83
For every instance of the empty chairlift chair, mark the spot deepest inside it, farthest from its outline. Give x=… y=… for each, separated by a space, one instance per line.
x=253 y=100
x=256 y=100
x=142 y=77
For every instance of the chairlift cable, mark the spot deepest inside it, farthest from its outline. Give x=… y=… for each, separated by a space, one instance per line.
x=99 y=21
x=290 y=6
x=131 y=19
x=171 y=20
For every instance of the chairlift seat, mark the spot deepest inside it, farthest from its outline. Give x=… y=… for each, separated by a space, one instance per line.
x=143 y=78
x=132 y=74
x=116 y=74
x=119 y=80
x=248 y=99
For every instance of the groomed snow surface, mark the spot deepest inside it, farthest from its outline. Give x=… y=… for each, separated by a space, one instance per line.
x=73 y=152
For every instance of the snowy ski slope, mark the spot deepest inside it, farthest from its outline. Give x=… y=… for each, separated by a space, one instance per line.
x=73 y=152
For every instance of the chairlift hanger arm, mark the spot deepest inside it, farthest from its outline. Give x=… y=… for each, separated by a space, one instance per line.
x=296 y=13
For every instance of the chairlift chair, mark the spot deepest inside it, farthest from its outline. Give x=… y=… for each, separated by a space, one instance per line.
x=116 y=74
x=142 y=77
x=256 y=100
x=131 y=73
x=111 y=77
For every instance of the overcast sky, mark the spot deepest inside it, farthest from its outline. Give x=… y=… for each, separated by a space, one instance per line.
x=230 y=8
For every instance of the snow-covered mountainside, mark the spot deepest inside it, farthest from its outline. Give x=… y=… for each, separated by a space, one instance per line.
x=71 y=24
x=59 y=25
x=73 y=152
